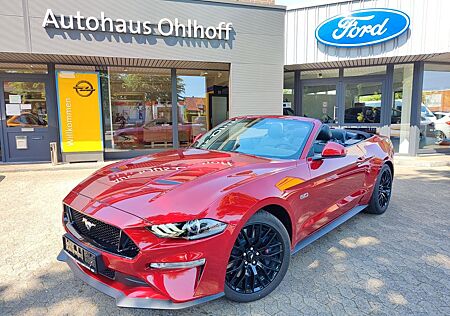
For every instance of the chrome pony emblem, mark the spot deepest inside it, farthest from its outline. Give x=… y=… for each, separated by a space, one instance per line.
x=87 y=223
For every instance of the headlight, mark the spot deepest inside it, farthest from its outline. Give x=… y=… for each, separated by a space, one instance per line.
x=195 y=229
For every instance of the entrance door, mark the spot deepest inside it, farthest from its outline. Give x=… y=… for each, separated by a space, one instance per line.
x=218 y=109
x=356 y=102
x=364 y=99
x=25 y=116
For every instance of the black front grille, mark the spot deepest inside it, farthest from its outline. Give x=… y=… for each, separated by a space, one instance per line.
x=100 y=234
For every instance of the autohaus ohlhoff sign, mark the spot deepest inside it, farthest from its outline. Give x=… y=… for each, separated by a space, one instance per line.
x=362 y=27
x=164 y=27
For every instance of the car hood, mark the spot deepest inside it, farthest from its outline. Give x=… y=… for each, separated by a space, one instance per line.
x=127 y=130
x=177 y=181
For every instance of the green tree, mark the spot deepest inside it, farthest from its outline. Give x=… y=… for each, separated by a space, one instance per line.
x=155 y=87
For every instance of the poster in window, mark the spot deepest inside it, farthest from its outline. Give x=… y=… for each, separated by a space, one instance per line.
x=80 y=116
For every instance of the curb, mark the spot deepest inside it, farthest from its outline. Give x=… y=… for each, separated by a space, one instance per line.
x=422 y=163
x=435 y=161
x=48 y=167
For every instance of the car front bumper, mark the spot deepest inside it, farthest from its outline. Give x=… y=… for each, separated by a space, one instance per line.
x=125 y=295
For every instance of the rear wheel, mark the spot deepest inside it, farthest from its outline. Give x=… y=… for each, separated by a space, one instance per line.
x=440 y=137
x=127 y=141
x=259 y=259
x=382 y=192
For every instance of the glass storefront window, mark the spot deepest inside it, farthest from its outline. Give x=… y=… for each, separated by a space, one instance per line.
x=288 y=93
x=363 y=102
x=26 y=104
x=202 y=102
x=435 y=108
x=319 y=101
x=139 y=113
x=399 y=128
x=319 y=74
x=14 y=68
x=365 y=71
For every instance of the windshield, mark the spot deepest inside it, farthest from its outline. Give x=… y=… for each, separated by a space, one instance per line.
x=426 y=112
x=265 y=137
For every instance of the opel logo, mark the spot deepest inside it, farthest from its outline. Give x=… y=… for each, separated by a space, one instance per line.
x=87 y=223
x=84 y=88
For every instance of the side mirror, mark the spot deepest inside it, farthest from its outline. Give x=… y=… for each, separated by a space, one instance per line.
x=333 y=150
x=196 y=138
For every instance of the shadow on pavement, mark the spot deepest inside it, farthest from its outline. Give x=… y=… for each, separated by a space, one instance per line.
x=427 y=175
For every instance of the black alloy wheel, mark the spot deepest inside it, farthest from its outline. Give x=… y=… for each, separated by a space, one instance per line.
x=384 y=189
x=258 y=260
x=382 y=192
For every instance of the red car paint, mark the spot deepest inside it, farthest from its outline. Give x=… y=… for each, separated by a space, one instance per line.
x=156 y=131
x=225 y=186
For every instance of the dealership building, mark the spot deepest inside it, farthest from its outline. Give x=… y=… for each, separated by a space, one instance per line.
x=109 y=82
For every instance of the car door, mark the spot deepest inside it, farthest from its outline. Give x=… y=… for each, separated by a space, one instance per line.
x=335 y=187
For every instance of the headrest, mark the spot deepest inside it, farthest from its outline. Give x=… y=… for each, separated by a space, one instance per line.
x=324 y=134
x=338 y=134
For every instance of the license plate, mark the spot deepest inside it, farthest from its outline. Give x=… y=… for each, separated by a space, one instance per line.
x=82 y=255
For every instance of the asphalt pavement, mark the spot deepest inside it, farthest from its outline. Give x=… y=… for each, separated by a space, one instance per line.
x=394 y=264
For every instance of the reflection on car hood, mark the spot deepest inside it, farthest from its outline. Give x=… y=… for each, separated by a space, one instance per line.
x=133 y=184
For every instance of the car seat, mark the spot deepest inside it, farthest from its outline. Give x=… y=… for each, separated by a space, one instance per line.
x=339 y=135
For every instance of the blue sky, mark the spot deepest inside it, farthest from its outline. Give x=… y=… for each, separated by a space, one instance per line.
x=436 y=80
x=194 y=86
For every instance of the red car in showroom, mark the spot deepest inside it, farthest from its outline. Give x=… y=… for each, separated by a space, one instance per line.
x=154 y=131
x=182 y=227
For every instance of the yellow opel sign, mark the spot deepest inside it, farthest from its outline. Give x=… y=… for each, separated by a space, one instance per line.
x=80 y=116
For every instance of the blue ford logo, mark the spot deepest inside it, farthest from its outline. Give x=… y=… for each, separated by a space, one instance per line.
x=362 y=27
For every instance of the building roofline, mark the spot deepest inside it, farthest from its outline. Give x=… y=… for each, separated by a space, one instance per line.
x=239 y=3
x=315 y=3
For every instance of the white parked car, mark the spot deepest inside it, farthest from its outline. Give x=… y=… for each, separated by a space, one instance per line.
x=426 y=121
x=442 y=127
x=426 y=113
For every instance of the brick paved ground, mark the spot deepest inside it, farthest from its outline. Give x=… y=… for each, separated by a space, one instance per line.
x=397 y=263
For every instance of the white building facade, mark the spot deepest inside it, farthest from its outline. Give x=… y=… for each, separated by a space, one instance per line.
x=364 y=73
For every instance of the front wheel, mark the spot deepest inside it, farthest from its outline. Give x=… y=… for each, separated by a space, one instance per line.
x=382 y=192
x=259 y=259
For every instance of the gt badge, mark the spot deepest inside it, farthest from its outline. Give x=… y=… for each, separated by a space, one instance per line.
x=304 y=196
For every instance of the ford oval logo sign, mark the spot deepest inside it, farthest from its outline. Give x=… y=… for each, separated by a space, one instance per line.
x=362 y=27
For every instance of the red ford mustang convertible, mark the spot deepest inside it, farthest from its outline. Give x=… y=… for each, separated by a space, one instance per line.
x=222 y=217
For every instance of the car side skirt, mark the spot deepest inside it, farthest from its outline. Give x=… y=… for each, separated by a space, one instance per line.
x=122 y=300
x=327 y=228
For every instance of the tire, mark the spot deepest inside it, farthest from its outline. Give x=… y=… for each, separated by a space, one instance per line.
x=381 y=195
x=128 y=144
x=440 y=137
x=262 y=246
